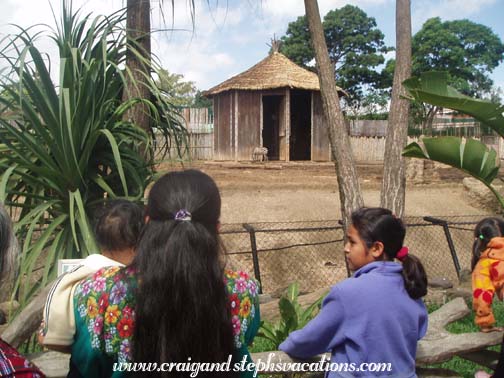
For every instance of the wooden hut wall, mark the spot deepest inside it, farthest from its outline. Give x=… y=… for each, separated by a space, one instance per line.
x=320 y=141
x=249 y=123
x=223 y=126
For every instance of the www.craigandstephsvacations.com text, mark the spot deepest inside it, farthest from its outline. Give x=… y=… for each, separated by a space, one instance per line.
x=259 y=366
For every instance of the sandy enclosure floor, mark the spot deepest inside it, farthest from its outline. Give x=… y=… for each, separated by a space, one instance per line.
x=295 y=192
x=308 y=191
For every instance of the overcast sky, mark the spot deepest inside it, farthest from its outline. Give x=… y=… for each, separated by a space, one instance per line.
x=231 y=36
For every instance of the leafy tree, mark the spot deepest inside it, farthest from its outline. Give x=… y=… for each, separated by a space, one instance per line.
x=355 y=46
x=467 y=51
x=180 y=93
x=201 y=101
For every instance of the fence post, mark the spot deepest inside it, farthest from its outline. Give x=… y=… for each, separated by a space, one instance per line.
x=255 y=258
x=449 y=239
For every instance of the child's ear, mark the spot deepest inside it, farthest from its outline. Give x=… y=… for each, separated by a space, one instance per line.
x=377 y=250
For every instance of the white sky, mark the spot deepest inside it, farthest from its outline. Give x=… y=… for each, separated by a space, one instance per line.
x=231 y=36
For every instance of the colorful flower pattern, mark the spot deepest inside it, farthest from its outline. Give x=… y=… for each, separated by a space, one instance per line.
x=105 y=302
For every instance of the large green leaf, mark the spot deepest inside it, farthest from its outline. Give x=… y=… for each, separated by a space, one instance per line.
x=432 y=88
x=471 y=156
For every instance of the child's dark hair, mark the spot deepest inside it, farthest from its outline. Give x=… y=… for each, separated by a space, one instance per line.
x=485 y=230
x=119 y=225
x=377 y=224
x=181 y=303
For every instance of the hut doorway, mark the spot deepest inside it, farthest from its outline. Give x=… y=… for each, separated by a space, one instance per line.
x=271 y=125
x=300 y=125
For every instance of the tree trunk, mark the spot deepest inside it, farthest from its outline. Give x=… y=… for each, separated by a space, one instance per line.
x=138 y=35
x=348 y=183
x=394 y=173
x=8 y=259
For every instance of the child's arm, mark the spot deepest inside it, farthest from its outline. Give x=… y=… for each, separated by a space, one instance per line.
x=321 y=334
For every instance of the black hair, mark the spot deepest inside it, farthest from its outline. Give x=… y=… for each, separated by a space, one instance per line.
x=181 y=302
x=119 y=225
x=485 y=230
x=378 y=224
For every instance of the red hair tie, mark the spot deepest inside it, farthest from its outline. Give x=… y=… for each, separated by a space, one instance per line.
x=403 y=252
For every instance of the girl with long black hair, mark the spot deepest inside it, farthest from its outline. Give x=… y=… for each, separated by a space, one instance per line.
x=176 y=304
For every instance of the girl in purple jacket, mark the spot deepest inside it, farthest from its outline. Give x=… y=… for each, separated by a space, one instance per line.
x=371 y=322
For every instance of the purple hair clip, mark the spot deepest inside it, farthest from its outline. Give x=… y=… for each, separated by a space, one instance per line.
x=183 y=215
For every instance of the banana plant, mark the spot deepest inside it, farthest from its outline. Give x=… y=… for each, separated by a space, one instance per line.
x=470 y=156
x=292 y=316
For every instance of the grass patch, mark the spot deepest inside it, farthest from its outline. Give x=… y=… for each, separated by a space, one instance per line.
x=466 y=325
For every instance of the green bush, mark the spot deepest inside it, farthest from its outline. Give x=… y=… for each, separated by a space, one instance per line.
x=292 y=317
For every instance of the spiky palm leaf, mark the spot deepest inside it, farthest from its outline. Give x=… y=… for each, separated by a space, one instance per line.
x=64 y=147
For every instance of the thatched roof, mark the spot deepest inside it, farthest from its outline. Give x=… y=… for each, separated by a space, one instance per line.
x=275 y=71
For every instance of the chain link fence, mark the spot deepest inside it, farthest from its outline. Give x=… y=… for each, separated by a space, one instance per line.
x=312 y=252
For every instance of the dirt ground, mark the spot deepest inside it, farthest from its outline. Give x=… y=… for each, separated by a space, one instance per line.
x=279 y=192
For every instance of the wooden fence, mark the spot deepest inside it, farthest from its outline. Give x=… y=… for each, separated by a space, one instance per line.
x=199 y=124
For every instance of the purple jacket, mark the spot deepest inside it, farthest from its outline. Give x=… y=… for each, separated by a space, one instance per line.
x=369 y=318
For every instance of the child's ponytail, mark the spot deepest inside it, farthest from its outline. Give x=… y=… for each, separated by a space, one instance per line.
x=415 y=278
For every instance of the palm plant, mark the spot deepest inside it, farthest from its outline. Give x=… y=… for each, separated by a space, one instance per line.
x=65 y=148
x=471 y=156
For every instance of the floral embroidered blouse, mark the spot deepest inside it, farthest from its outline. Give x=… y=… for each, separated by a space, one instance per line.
x=104 y=307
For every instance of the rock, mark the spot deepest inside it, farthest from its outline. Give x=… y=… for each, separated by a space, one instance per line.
x=439 y=345
x=480 y=194
x=415 y=170
x=440 y=282
x=459 y=292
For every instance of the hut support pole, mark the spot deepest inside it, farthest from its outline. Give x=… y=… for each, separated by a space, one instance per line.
x=236 y=126
x=261 y=124
x=287 y=124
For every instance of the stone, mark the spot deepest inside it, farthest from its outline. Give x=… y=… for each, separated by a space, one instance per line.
x=459 y=292
x=415 y=170
x=440 y=282
x=481 y=195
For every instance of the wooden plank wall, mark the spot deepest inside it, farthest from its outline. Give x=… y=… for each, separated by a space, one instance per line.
x=223 y=126
x=320 y=141
x=249 y=123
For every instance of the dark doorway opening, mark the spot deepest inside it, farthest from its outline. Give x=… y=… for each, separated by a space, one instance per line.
x=300 y=125
x=271 y=125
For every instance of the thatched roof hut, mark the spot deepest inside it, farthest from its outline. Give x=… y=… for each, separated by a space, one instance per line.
x=274 y=71
x=275 y=104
